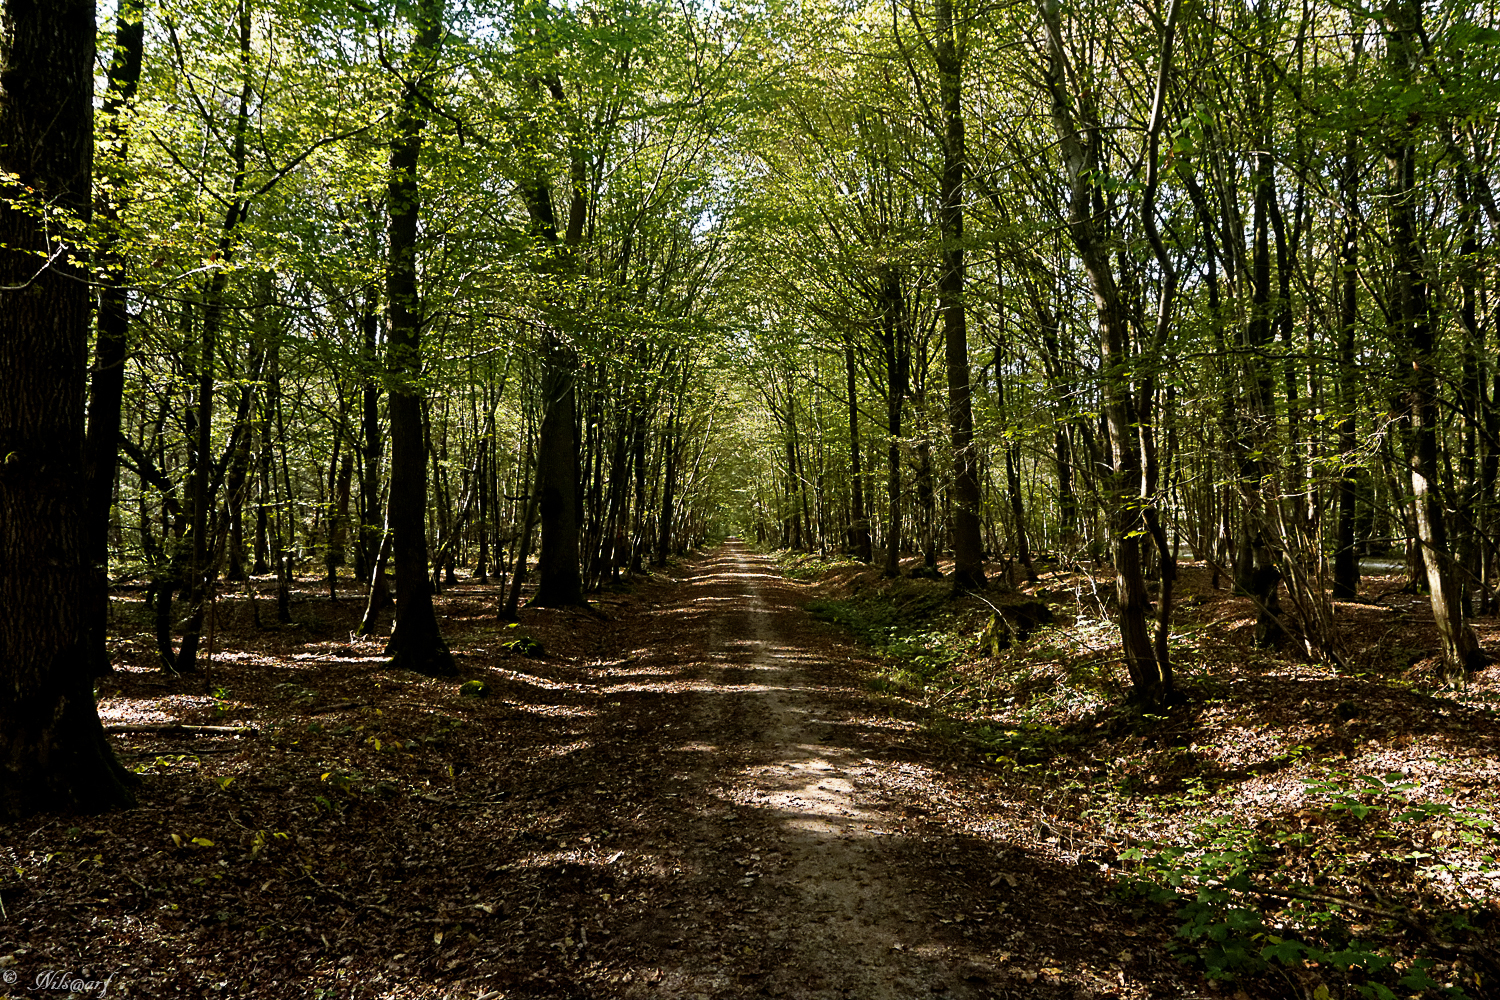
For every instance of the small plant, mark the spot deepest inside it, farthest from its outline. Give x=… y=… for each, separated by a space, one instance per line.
x=1242 y=911
x=522 y=643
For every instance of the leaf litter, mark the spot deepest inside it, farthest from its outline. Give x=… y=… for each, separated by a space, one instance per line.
x=693 y=792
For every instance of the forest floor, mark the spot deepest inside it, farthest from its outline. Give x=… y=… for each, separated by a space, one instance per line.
x=698 y=789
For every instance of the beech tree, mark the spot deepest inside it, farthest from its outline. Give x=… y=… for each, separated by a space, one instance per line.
x=416 y=642
x=53 y=752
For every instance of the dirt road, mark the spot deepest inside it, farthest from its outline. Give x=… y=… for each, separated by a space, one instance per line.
x=788 y=835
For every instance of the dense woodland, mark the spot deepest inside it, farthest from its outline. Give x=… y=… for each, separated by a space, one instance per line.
x=544 y=293
x=337 y=339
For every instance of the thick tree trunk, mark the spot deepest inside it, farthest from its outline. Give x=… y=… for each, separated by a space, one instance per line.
x=968 y=545
x=53 y=752
x=416 y=642
x=559 y=581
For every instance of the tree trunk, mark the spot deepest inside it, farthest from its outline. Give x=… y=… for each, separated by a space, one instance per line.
x=559 y=581
x=670 y=445
x=859 y=521
x=968 y=545
x=371 y=517
x=1151 y=680
x=201 y=494
x=1416 y=337
x=107 y=381
x=53 y=752
x=1345 y=558
x=893 y=338
x=416 y=642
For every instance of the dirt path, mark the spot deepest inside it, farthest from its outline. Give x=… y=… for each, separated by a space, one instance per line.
x=790 y=837
x=824 y=904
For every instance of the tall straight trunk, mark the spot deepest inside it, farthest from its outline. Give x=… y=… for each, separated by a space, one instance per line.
x=1260 y=575
x=1345 y=558
x=1416 y=336
x=265 y=494
x=338 y=521
x=1151 y=678
x=107 y=380
x=897 y=361
x=559 y=580
x=1469 y=498
x=968 y=545
x=53 y=751
x=559 y=575
x=859 y=521
x=482 y=472
x=638 y=531
x=668 y=490
x=283 y=525
x=416 y=642
x=792 y=517
x=372 y=445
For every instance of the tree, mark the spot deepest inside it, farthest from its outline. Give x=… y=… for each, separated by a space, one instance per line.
x=107 y=384
x=53 y=752
x=1416 y=338
x=948 y=52
x=1080 y=144
x=416 y=641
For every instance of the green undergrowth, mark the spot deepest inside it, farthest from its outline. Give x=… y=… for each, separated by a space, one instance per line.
x=1321 y=897
x=804 y=567
x=1013 y=693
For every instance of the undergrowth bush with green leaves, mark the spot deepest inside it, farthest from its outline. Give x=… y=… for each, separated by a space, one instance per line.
x=802 y=566
x=1243 y=910
x=905 y=623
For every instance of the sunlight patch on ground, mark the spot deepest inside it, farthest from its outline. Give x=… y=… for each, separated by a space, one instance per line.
x=566 y=748
x=560 y=711
x=705 y=687
x=534 y=681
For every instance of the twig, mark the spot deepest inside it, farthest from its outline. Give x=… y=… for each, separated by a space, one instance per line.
x=175 y=727
x=341 y=706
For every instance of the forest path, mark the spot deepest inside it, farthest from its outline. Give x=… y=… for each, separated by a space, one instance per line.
x=776 y=795
x=798 y=839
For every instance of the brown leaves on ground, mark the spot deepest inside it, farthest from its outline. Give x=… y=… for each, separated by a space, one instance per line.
x=691 y=793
